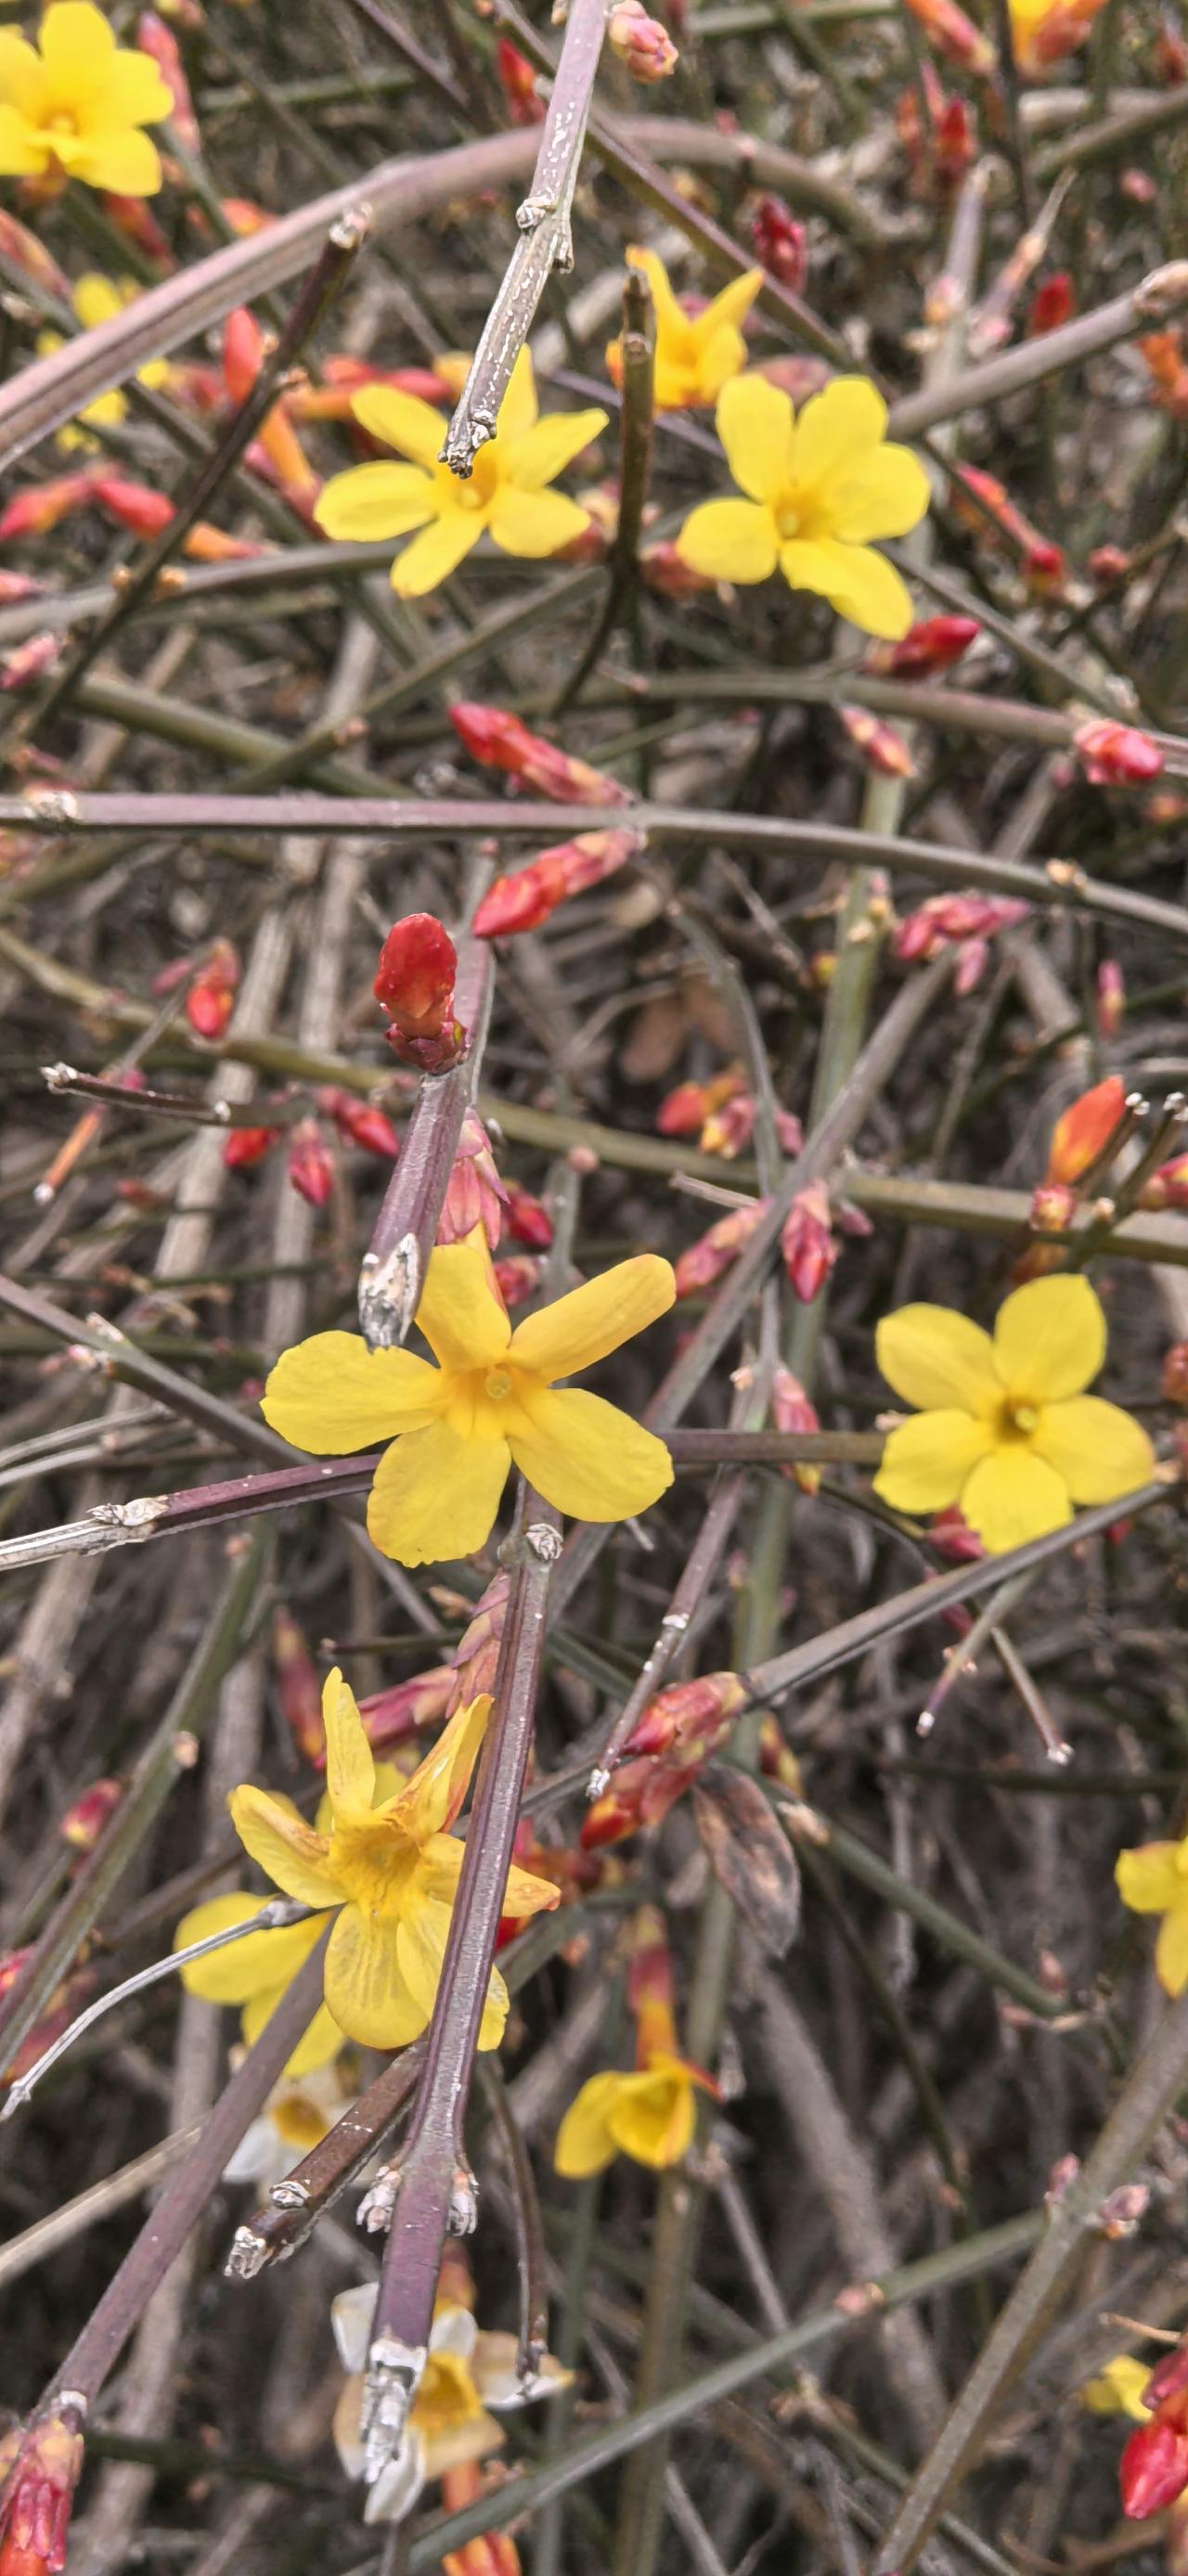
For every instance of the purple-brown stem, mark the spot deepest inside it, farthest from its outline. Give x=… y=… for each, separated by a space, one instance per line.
x=394 y=1266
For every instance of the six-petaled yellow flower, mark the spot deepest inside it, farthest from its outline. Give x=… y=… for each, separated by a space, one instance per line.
x=390 y=1869
x=1118 y=2389
x=697 y=353
x=75 y=104
x=1153 y=1879
x=505 y=497
x=1004 y=1428
x=650 y=2115
x=818 y=489
x=490 y=1401
x=96 y=299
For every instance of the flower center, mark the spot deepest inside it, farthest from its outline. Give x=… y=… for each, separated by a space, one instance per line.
x=788 y=522
x=62 y=123
x=498 y=1384
x=1016 y=1421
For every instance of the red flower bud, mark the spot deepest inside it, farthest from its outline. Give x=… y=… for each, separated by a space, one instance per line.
x=86 y=1817
x=807 y=1244
x=311 y=1163
x=211 y=997
x=19 y=585
x=1111 y=997
x=1052 y=304
x=1169 y=2377
x=297 y=1687
x=360 y=1123
x=43 y=2466
x=500 y=741
x=792 y=1411
x=517 y=80
x=42 y=506
x=1153 y=2470
x=133 y=217
x=1168 y=1187
x=243 y=352
x=953 y=1538
x=22 y=251
x=415 y=984
x=1080 y=1136
x=729 y=1127
x=713 y=1253
x=1108 y=564
x=132 y=505
x=155 y=38
x=642 y=45
x=1117 y=755
x=780 y=244
x=527 y=1219
x=682 y=1112
x=688 y=1717
x=517 y=1276
x=524 y=901
x=879 y=743
x=248 y=1145
x=933 y=645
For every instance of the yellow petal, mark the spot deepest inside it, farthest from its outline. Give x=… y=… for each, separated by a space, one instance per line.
x=534 y=524
x=262 y=1963
x=1171 y=1950
x=730 y=541
x=933 y=1356
x=586 y=1457
x=432 y=1798
x=287 y=1849
x=719 y=358
x=421 y=1937
x=436 y=553
x=926 y=1461
x=375 y=501
x=731 y=305
x=438 y=1863
x=1151 y=1877
x=754 y=423
x=331 y=1393
x=671 y=323
x=584 y=2142
x=583 y=1327
x=436 y=1494
x=350 y=1770
x=1118 y=2389
x=1049 y=1339
x=23 y=82
x=526 y=1895
x=77 y=47
x=836 y=428
x=122 y=159
x=654 y=2118
x=460 y=1313
x=133 y=93
x=22 y=149
x=317 y=2046
x=95 y=299
x=859 y=583
x=1013 y=1496
x=496 y=2007
x=546 y=449
x=1095 y=1447
x=366 y=1989
x=888 y=494
x=518 y=409
x=413 y=427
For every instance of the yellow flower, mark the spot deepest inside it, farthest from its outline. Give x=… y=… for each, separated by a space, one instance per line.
x=1153 y=1879
x=650 y=2115
x=1004 y=1429
x=505 y=494
x=467 y=2370
x=392 y=1870
x=694 y=357
x=1043 y=32
x=77 y=104
x=1118 y=2389
x=255 y=1972
x=490 y=1400
x=95 y=299
x=818 y=489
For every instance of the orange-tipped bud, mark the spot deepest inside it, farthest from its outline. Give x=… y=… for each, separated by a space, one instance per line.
x=932 y=645
x=391 y=1716
x=211 y=997
x=20 y=249
x=1110 y=1002
x=780 y=243
x=879 y=743
x=132 y=505
x=792 y=1411
x=42 y=506
x=729 y=1128
x=517 y=1276
x=1053 y=303
x=524 y=901
x=954 y=36
x=1164 y=353
x=705 y=1260
x=26 y=663
x=205 y=544
x=517 y=80
x=1168 y=1187
x=807 y=1243
x=243 y=352
x=475 y=1195
x=360 y=1122
x=684 y=1111
x=690 y=1718
x=1117 y=755
x=500 y=741
x=642 y=45
x=639 y=1795
x=1053 y=1207
x=527 y=1218
x=248 y=1145
x=88 y=1814
x=1081 y=1135
x=311 y=1163
x=155 y=38
x=297 y=1687
x=43 y=2465
x=246 y=218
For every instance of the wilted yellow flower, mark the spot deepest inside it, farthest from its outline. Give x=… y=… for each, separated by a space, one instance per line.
x=76 y=104
x=650 y=2115
x=392 y=1869
x=1118 y=2389
x=505 y=495
x=467 y=2372
x=95 y=299
x=490 y=1400
x=818 y=489
x=1153 y=1879
x=1004 y=1429
x=695 y=354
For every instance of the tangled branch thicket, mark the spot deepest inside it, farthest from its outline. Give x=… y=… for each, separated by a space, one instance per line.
x=641 y=562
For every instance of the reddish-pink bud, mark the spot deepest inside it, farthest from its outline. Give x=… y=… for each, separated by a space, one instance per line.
x=297 y=1687
x=780 y=243
x=932 y=645
x=415 y=977
x=705 y=1260
x=500 y=741
x=688 y=1717
x=26 y=663
x=953 y=1538
x=42 y=2467
x=517 y=1276
x=311 y=1163
x=1052 y=304
x=42 y=506
x=879 y=743
x=972 y=959
x=243 y=352
x=642 y=45
x=248 y=1145
x=155 y=38
x=517 y=80
x=1110 y=998
x=211 y=997
x=667 y=573
x=1169 y=2378
x=1168 y=1187
x=1108 y=564
x=1153 y=2470
x=527 y=1218
x=22 y=251
x=792 y=1411
x=360 y=1122
x=729 y=1127
x=955 y=36
x=132 y=505
x=524 y=901
x=807 y=1242
x=87 y=1815
x=1117 y=755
